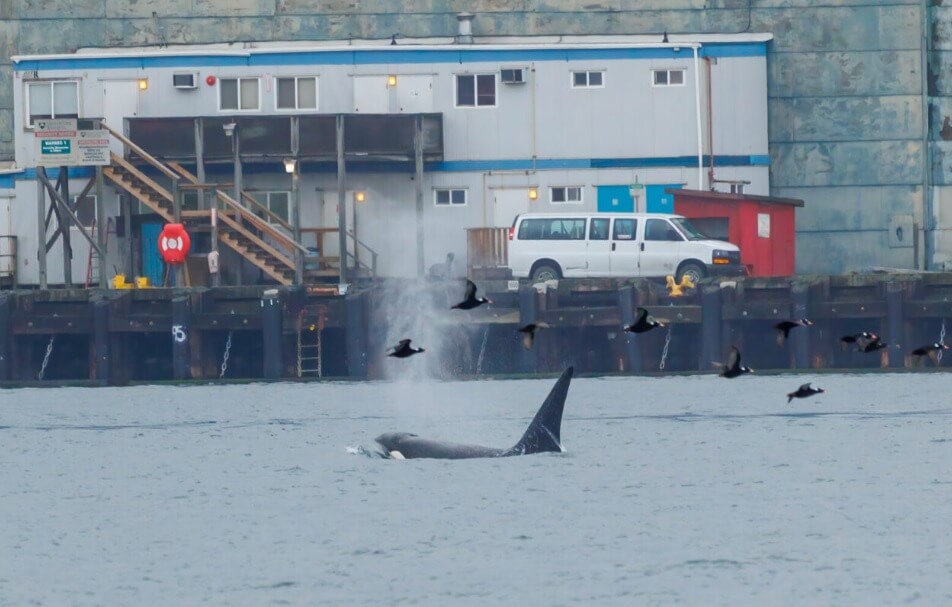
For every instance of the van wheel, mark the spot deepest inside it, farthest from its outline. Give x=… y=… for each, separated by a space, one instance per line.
x=694 y=271
x=544 y=272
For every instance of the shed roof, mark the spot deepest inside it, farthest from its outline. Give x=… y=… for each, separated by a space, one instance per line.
x=706 y=195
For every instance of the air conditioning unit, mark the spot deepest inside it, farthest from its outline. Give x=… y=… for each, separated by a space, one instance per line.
x=185 y=81
x=513 y=75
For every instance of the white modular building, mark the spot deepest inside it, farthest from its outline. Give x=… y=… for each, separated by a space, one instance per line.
x=420 y=143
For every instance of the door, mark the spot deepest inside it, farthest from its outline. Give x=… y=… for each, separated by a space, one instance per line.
x=507 y=204
x=657 y=200
x=599 y=246
x=414 y=94
x=120 y=100
x=152 y=265
x=371 y=95
x=662 y=248
x=625 y=247
x=615 y=199
x=331 y=240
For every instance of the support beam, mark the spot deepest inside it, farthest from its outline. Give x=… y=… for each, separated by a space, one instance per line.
x=355 y=305
x=710 y=327
x=272 y=330
x=418 y=167
x=800 y=339
x=102 y=227
x=6 y=335
x=180 y=338
x=341 y=199
x=626 y=312
x=528 y=312
x=101 y=363
x=41 y=228
x=58 y=200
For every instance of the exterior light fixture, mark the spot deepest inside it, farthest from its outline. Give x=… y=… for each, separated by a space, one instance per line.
x=391 y=80
x=359 y=196
x=533 y=193
x=143 y=84
x=289 y=165
x=229 y=128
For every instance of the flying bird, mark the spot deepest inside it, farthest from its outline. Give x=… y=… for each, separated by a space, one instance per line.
x=529 y=331
x=803 y=391
x=856 y=338
x=784 y=326
x=403 y=349
x=643 y=322
x=470 y=300
x=733 y=367
x=870 y=344
x=932 y=351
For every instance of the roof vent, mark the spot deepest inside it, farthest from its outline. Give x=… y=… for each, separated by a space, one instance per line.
x=465 y=28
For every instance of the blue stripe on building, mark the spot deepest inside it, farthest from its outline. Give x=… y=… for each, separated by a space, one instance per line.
x=396 y=56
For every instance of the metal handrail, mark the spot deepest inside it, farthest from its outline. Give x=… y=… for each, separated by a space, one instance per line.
x=142 y=153
x=12 y=272
x=373 y=254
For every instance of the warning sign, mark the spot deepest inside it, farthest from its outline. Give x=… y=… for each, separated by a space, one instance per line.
x=59 y=143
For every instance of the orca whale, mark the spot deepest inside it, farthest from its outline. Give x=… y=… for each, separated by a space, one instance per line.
x=543 y=434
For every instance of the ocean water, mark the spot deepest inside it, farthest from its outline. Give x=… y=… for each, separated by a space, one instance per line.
x=672 y=491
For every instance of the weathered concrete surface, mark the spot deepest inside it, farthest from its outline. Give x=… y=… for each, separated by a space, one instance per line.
x=844 y=79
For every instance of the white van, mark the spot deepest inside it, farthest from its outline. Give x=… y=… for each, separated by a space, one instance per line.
x=543 y=246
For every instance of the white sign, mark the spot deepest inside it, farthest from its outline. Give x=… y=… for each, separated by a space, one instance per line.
x=59 y=143
x=763 y=225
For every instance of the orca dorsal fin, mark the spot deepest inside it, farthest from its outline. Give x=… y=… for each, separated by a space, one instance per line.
x=544 y=433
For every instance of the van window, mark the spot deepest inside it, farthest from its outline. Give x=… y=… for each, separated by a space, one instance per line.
x=599 y=230
x=558 y=228
x=625 y=229
x=690 y=230
x=661 y=230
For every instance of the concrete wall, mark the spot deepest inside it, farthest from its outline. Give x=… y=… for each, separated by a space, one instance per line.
x=845 y=84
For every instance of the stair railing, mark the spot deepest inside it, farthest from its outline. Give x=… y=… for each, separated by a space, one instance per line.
x=154 y=162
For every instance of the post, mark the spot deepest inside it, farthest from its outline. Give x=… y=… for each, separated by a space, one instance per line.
x=894 y=298
x=216 y=275
x=356 y=306
x=271 y=328
x=102 y=228
x=341 y=200
x=67 y=247
x=296 y=222
x=800 y=339
x=528 y=312
x=626 y=313
x=418 y=165
x=100 y=371
x=41 y=229
x=710 y=327
x=127 y=230
x=180 y=345
x=6 y=337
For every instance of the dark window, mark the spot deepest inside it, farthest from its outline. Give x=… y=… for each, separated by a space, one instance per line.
x=474 y=90
x=552 y=229
x=599 y=229
x=625 y=229
x=661 y=230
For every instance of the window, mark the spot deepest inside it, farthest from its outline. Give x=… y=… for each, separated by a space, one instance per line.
x=668 y=77
x=565 y=195
x=588 y=79
x=446 y=198
x=85 y=209
x=475 y=90
x=661 y=230
x=552 y=229
x=52 y=100
x=278 y=203
x=238 y=94
x=599 y=229
x=297 y=93
x=625 y=229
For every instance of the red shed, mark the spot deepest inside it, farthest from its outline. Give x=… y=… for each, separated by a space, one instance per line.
x=762 y=226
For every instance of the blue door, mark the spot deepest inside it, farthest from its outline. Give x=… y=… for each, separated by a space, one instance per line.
x=152 y=265
x=615 y=199
x=657 y=200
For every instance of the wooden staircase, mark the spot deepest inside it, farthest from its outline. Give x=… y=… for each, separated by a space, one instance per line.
x=239 y=227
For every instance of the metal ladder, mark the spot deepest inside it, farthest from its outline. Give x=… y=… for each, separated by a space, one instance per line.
x=310 y=329
x=93 y=261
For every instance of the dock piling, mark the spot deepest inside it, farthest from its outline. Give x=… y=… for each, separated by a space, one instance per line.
x=800 y=339
x=710 y=327
x=181 y=368
x=272 y=329
x=6 y=338
x=626 y=312
x=100 y=362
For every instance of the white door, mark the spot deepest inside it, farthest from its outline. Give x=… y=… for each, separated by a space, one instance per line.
x=330 y=218
x=371 y=95
x=414 y=94
x=507 y=204
x=626 y=247
x=662 y=248
x=120 y=100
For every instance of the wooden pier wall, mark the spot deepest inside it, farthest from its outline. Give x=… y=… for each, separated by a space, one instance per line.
x=117 y=337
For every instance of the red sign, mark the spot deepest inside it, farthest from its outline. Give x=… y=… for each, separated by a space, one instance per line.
x=174 y=243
